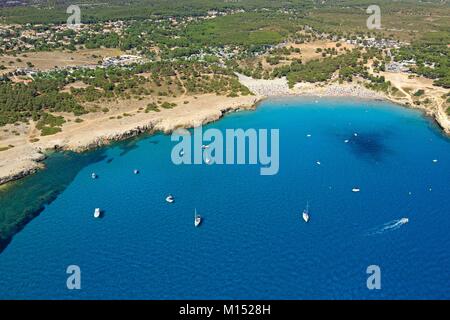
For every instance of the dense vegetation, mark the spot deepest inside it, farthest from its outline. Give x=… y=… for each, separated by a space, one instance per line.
x=21 y=102
x=400 y=18
x=98 y=11
x=344 y=67
x=248 y=30
x=432 y=57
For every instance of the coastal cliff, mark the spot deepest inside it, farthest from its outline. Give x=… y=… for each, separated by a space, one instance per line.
x=435 y=109
x=18 y=168
x=26 y=159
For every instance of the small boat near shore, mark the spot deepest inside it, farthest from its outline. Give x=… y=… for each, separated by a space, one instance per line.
x=94 y=175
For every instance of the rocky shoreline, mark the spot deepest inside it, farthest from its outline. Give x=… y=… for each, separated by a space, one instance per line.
x=22 y=173
x=31 y=166
x=29 y=158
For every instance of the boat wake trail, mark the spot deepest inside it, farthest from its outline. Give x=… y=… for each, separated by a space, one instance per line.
x=389 y=226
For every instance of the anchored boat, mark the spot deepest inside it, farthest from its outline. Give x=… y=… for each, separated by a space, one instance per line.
x=305 y=214
x=197 y=219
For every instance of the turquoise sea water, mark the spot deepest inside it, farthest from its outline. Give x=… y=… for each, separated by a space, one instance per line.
x=252 y=243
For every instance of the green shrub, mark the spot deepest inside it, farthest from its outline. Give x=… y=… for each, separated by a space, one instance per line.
x=47 y=131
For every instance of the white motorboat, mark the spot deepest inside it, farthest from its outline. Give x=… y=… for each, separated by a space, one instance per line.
x=136 y=171
x=97 y=213
x=197 y=219
x=94 y=175
x=356 y=190
x=170 y=198
x=305 y=214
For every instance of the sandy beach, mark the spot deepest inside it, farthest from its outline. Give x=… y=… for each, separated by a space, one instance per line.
x=436 y=108
x=280 y=87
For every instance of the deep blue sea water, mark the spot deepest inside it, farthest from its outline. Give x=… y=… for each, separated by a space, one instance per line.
x=253 y=243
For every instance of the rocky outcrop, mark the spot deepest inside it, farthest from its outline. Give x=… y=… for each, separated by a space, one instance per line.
x=103 y=140
x=18 y=175
x=442 y=120
x=28 y=167
x=160 y=125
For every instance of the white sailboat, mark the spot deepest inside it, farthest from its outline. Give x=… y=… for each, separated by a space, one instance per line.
x=94 y=175
x=197 y=219
x=305 y=214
